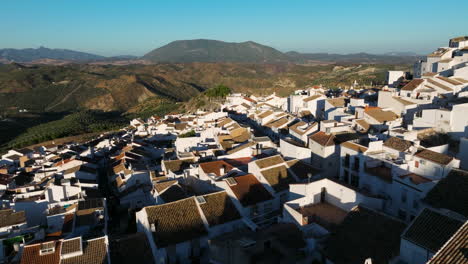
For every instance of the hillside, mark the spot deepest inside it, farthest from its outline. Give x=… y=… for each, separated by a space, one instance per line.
x=52 y=93
x=29 y=55
x=204 y=50
x=363 y=58
x=46 y=88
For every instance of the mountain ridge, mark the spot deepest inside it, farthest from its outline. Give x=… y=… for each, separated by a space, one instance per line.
x=202 y=50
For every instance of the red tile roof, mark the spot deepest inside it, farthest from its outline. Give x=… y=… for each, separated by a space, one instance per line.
x=31 y=254
x=249 y=190
x=215 y=167
x=412 y=85
x=323 y=138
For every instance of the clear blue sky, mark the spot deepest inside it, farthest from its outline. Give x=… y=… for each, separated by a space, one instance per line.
x=113 y=27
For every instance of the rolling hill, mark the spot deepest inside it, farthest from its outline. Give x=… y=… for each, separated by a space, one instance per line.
x=29 y=55
x=205 y=50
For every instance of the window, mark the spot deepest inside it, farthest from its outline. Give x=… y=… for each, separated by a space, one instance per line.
x=201 y=199
x=403 y=196
x=231 y=181
x=416 y=164
x=47 y=248
x=402 y=214
x=422 y=162
x=356 y=163
x=354 y=180
x=346 y=160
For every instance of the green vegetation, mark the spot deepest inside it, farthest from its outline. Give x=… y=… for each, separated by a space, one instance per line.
x=219 y=91
x=152 y=106
x=191 y=133
x=82 y=98
x=73 y=124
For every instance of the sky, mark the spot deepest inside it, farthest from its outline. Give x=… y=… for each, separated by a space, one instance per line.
x=135 y=27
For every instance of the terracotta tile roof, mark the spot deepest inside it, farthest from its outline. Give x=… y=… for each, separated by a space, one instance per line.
x=415 y=178
x=31 y=254
x=241 y=147
x=180 y=126
x=431 y=229
x=174 y=193
x=239 y=162
x=279 y=178
x=175 y=222
x=443 y=87
x=337 y=102
x=310 y=98
x=382 y=172
x=412 y=85
x=240 y=135
x=301 y=131
x=381 y=242
x=326 y=212
x=277 y=123
x=434 y=156
x=403 y=101
x=265 y=114
x=8 y=217
x=163 y=185
x=224 y=122
x=301 y=169
x=363 y=124
x=132 y=248
x=450 y=193
x=269 y=161
x=249 y=190
x=305 y=113
x=72 y=245
x=398 y=144
x=380 y=115
x=451 y=81
x=177 y=165
x=215 y=167
x=323 y=138
x=94 y=252
x=454 y=251
x=249 y=99
x=461 y=80
x=219 y=209
x=354 y=146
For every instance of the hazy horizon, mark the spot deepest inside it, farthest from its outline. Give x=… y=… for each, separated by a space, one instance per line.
x=111 y=28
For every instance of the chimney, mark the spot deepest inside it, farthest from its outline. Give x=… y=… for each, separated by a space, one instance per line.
x=222 y=170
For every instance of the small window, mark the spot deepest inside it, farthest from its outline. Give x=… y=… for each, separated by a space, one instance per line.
x=403 y=196
x=201 y=199
x=402 y=214
x=47 y=248
x=231 y=181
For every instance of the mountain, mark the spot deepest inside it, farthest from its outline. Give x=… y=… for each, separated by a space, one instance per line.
x=29 y=55
x=204 y=50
